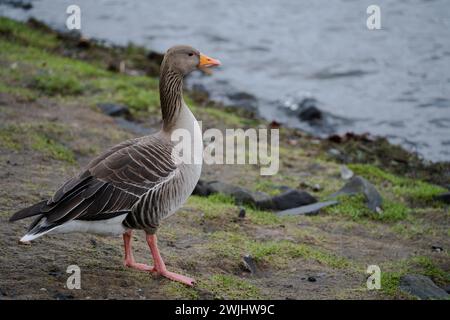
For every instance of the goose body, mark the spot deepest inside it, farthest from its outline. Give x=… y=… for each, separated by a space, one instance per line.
x=135 y=184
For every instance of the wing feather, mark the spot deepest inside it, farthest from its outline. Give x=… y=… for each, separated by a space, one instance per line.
x=110 y=185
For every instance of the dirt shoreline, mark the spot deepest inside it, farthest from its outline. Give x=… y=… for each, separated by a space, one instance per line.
x=50 y=88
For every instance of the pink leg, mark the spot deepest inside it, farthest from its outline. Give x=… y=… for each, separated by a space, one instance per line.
x=160 y=266
x=129 y=259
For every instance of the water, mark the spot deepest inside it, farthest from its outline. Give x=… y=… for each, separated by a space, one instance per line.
x=393 y=82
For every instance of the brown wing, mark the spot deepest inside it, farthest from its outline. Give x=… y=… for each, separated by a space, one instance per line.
x=109 y=186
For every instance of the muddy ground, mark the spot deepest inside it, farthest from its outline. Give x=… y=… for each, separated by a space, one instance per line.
x=49 y=130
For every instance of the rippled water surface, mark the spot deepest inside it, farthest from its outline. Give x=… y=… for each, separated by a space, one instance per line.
x=393 y=82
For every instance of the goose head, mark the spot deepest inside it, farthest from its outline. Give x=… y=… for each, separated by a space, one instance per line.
x=185 y=59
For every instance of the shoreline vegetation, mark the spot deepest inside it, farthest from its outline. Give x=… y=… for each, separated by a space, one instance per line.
x=64 y=99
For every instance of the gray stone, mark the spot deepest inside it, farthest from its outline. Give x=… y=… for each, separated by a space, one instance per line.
x=310 y=114
x=249 y=264
x=113 y=109
x=308 y=209
x=346 y=173
x=241 y=195
x=445 y=197
x=422 y=287
x=287 y=200
x=202 y=189
x=357 y=185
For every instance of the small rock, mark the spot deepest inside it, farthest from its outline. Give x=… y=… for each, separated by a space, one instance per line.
x=445 y=197
x=93 y=242
x=241 y=213
x=357 y=185
x=334 y=153
x=43 y=289
x=422 y=287
x=259 y=196
x=346 y=173
x=19 y=4
x=335 y=138
x=249 y=264
x=114 y=110
x=241 y=195
x=55 y=273
x=312 y=279
x=306 y=185
x=202 y=189
x=287 y=200
x=437 y=248
x=310 y=209
x=243 y=99
x=274 y=124
x=84 y=43
x=311 y=114
x=63 y=296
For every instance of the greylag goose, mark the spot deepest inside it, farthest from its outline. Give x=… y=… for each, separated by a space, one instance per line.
x=135 y=184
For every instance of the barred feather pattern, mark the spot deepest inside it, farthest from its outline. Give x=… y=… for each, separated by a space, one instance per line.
x=137 y=178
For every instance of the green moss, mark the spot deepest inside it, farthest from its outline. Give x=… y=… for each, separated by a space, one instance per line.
x=52 y=148
x=264 y=217
x=9 y=140
x=390 y=283
x=273 y=250
x=21 y=33
x=266 y=186
x=230 y=287
x=355 y=207
x=214 y=206
x=176 y=290
x=54 y=84
x=21 y=94
x=430 y=269
x=38 y=136
x=233 y=246
x=390 y=279
x=414 y=191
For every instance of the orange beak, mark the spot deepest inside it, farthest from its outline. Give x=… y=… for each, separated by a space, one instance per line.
x=206 y=62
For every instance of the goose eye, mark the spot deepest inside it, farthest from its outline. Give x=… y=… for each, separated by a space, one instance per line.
x=190 y=54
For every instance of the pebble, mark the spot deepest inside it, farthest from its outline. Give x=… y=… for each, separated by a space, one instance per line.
x=242 y=212
x=437 y=248
x=346 y=173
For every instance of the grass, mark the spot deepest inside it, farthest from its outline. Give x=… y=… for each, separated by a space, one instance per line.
x=416 y=192
x=355 y=207
x=177 y=290
x=220 y=206
x=232 y=246
x=25 y=35
x=31 y=69
x=45 y=138
x=230 y=287
x=390 y=280
x=9 y=140
x=52 y=148
x=52 y=84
